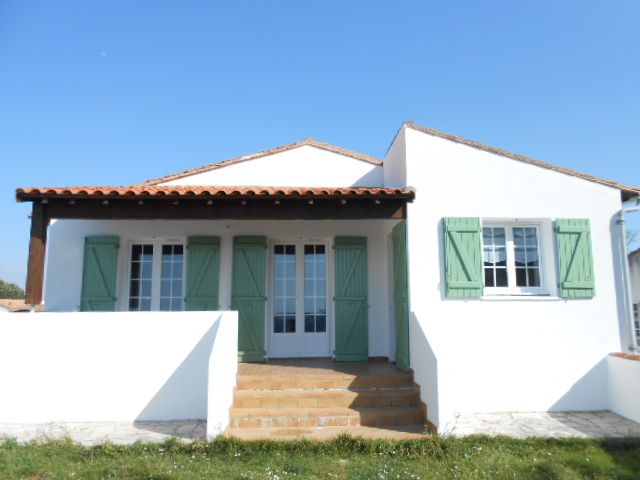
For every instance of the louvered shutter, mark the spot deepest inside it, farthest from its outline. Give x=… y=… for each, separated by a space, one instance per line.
x=203 y=273
x=575 y=259
x=99 y=274
x=463 y=257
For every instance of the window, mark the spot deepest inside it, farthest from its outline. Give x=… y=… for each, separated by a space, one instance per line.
x=156 y=276
x=511 y=259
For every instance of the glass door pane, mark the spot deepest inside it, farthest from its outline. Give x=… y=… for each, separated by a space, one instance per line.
x=284 y=289
x=171 y=277
x=315 y=289
x=141 y=277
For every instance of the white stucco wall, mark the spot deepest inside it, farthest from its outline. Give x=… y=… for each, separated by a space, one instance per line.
x=306 y=166
x=66 y=248
x=624 y=387
x=89 y=366
x=507 y=354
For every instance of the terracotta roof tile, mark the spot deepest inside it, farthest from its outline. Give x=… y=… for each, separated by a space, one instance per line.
x=245 y=158
x=26 y=194
x=627 y=190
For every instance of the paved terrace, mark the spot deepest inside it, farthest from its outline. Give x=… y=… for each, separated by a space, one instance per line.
x=519 y=425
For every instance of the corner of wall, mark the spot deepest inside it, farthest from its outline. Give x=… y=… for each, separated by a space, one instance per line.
x=395 y=163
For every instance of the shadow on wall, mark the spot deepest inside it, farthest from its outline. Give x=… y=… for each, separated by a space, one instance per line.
x=425 y=368
x=589 y=393
x=184 y=395
x=589 y=390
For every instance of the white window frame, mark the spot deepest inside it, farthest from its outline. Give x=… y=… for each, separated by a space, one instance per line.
x=156 y=274
x=511 y=288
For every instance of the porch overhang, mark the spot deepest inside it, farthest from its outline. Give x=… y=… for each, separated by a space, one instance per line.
x=145 y=202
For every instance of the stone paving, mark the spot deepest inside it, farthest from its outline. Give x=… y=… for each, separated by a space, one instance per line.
x=92 y=433
x=540 y=424
x=519 y=425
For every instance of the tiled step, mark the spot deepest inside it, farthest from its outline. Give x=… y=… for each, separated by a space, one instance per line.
x=345 y=381
x=314 y=398
x=399 y=432
x=319 y=417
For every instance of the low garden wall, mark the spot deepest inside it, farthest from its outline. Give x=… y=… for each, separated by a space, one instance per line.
x=624 y=385
x=118 y=366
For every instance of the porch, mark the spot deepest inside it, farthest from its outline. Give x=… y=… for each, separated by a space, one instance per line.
x=312 y=272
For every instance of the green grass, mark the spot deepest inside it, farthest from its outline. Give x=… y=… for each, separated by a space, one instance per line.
x=345 y=457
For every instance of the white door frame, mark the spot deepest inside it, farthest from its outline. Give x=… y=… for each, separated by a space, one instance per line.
x=299 y=243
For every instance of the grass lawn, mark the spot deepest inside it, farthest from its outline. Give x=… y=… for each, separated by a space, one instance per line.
x=345 y=457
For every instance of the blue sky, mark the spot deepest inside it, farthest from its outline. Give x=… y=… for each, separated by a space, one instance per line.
x=114 y=92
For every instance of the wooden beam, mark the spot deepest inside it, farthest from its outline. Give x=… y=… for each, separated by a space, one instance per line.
x=228 y=209
x=37 y=249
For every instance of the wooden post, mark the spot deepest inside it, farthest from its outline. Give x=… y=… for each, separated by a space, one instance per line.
x=37 y=248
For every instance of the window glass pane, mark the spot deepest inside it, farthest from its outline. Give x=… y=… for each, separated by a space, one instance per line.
x=519 y=237
x=533 y=275
x=321 y=323
x=165 y=304
x=309 y=323
x=278 y=324
x=521 y=258
x=494 y=255
x=290 y=323
x=135 y=270
x=532 y=257
x=501 y=277
x=521 y=277
x=165 y=288
x=499 y=237
x=140 y=277
x=147 y=269
x=284 y=302
x=489 y=277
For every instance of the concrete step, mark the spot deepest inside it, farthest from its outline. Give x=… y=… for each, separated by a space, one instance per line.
x=332 y=381
x=314 y=398
x=320 y=417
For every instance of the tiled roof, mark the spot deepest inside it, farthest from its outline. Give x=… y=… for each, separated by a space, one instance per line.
x=146 y=191
x=232 y=161
x=627 y=190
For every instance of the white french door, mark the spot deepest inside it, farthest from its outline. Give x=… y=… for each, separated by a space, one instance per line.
x=298 y=322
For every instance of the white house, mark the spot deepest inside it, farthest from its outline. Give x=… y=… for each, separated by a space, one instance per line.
x=494 y=277
x=634 y=273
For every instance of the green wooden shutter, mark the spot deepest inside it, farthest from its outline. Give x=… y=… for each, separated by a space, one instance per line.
x=99 y=274
x=203 y=273
x=401 y=294
x=351 y=302
x=248 y=296
x=575 y=259
x=463 y=257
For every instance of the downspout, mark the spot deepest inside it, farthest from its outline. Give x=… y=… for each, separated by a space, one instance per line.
x=633 y=340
